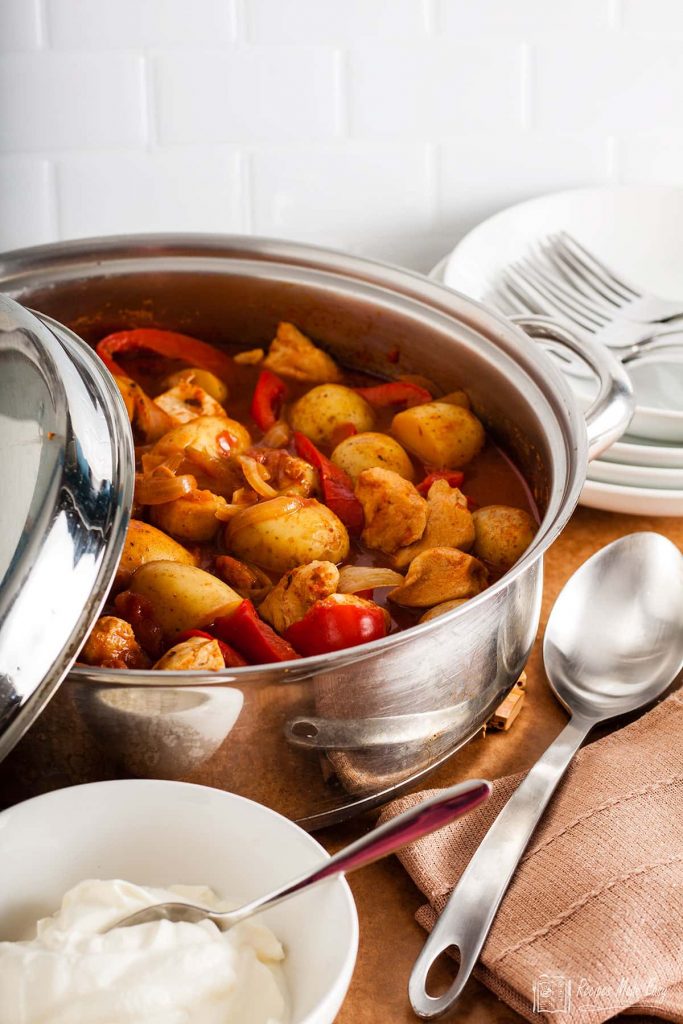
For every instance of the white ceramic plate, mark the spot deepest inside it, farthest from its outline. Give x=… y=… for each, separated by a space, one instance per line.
x=636 y=230
x=634 y=452
x=159 y=833
x=636 y=476
x=637 y=501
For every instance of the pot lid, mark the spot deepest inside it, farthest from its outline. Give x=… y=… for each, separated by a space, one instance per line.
x=66 y=481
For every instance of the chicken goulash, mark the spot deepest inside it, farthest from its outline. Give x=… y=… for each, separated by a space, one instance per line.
x=286 y=507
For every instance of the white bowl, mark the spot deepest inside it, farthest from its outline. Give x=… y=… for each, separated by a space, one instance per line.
x=160 y=833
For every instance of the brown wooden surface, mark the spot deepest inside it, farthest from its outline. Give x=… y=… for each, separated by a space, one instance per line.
x=386 y=898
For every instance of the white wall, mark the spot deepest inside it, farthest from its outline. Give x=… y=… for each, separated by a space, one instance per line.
x=387 y=127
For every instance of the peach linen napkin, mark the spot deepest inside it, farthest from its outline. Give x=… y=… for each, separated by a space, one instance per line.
x=592 y=924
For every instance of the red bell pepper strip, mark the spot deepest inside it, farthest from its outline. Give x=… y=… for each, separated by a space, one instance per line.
x=269 y=394
x=252 y=637
x=341 y=432
x=333 y=625
x=230 y=656
x=394 y=393
x=164 y=343
x=337 y=486
x=453 y=477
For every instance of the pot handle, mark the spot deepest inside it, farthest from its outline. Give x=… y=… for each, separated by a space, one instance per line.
x=610 y=413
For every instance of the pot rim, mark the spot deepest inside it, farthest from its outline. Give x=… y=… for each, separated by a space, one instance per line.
x=17 y=268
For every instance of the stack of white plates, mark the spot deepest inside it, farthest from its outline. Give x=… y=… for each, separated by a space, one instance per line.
x=637 y=231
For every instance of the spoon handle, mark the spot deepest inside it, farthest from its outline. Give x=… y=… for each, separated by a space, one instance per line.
x=394 y=834
x=467 y=917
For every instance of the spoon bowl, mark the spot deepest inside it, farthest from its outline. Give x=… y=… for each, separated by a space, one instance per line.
x=614 y=639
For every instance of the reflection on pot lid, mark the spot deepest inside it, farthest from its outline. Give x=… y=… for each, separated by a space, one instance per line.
x=67 y=472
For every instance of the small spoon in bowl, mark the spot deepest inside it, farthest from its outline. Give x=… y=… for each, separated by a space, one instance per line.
x=405 y=828
x=613 y=644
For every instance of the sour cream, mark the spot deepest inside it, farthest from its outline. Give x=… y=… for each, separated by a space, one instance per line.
x=159 y=973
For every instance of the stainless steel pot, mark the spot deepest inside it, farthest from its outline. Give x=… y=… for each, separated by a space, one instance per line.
x=322 y=738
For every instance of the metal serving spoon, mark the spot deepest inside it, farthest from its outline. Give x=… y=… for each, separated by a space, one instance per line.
x=403 y=829
x=613 y=643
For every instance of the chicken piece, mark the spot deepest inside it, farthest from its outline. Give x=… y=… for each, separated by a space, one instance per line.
x=186 y=401
x=148 y=420
x=292 y=355
x=112 y=644
x=249 y=581
x=192 y=517
x=395 y=514
x=449 y=524
x=287 y=474
x=197 y=653
x=297 y=592
x=438 y=575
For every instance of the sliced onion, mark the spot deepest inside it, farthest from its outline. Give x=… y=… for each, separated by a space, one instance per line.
x=278 y=436
x=158 y=488
x=265 y=510
x=255 y=474
x=212 y=465
x=353 y=578
x=251 y=357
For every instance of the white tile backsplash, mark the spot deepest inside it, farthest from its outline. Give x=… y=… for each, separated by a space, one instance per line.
x=336 y=22
x=245 y=94
x=434 y=89
x=51 y=101
x=26 y=202
x=469 y=182
x=20 y=25
x=524 y=18
x=617 y=84
x=387 y=127
x=125 y=24
x=341 y=190
x=127 y=192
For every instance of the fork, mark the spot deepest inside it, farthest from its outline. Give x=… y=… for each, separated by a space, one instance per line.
x=394 y=834
x=603 y=286
x=523 y=288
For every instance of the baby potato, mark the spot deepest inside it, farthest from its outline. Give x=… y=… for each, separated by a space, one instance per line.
x=322 y=410
x=191 y=517
x=203 y=379
x=183 y=596
x=144 y=543
x=203 y=434
x=284 y=532
x=370 y=450
x=502 y=534
x=440 y=434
